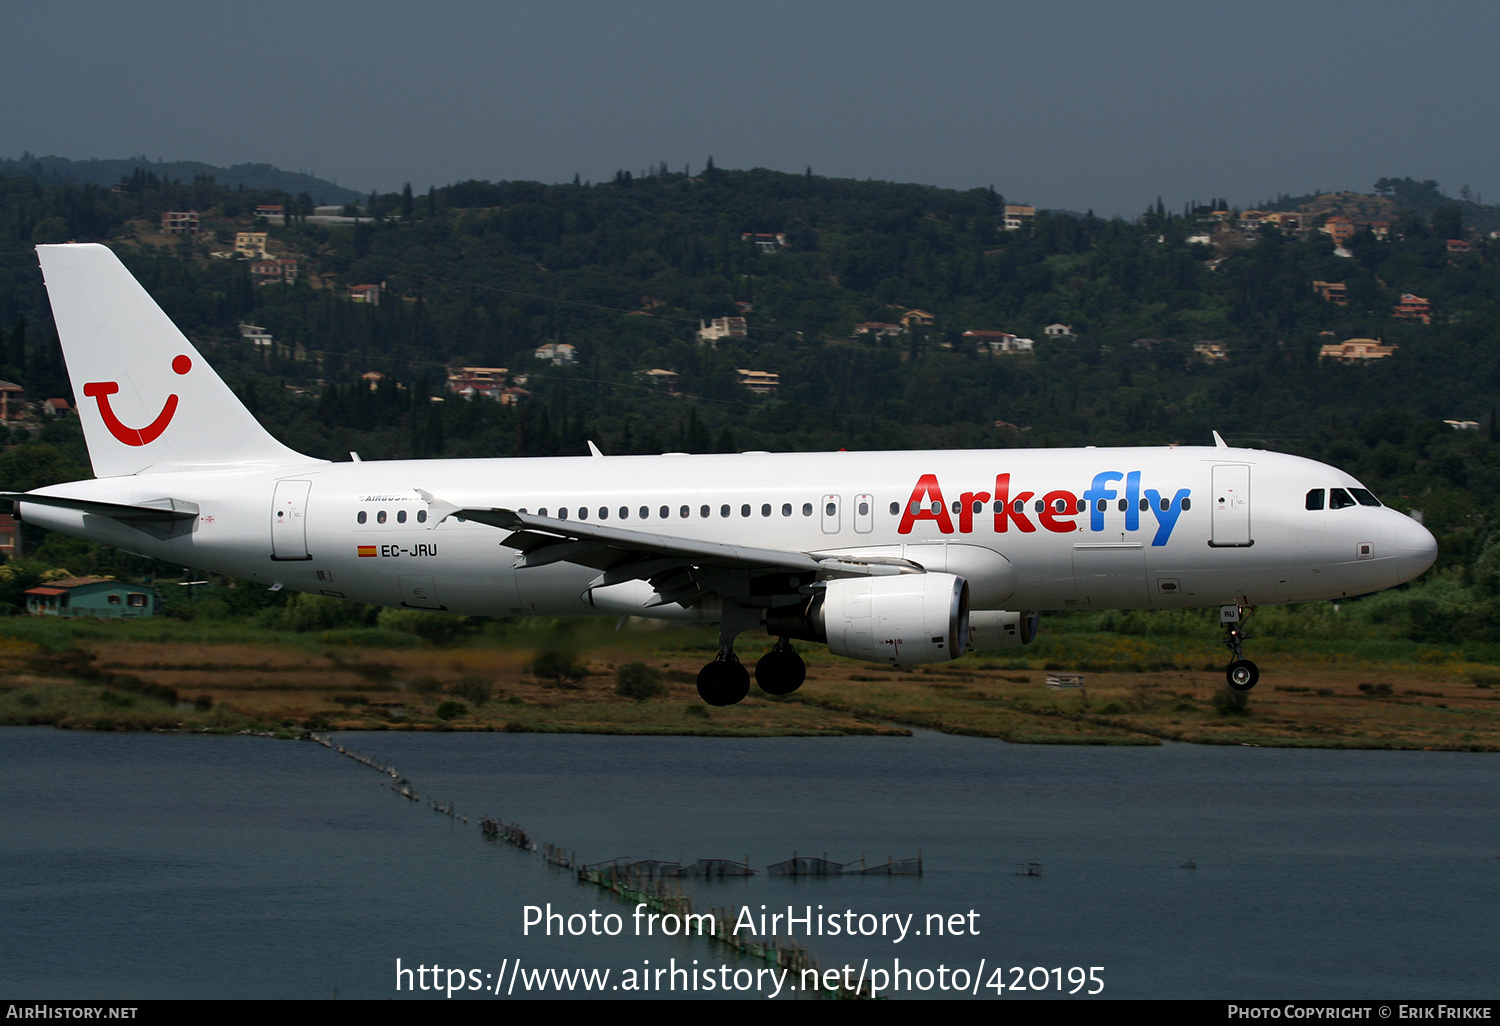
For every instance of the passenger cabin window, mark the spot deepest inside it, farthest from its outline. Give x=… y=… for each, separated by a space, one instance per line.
x=1338 y=498
x=786 y=509
x=1315 y=499
x=362 y=516
x=380 y=517
x=422 y=516
x=807 y=509
x=765 y=509
x=401 y=516
x=896 y=508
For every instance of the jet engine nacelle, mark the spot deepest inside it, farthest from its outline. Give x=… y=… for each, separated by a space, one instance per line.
x=904 y=619
x=1001 y=628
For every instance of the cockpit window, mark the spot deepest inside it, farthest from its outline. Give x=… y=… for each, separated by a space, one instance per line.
x=1338 y=498
x=1365 y=497
x=1315 y=499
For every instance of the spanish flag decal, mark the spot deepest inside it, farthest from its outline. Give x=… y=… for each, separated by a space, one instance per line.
x=367 y=550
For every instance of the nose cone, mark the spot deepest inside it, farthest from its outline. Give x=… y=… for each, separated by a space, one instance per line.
x=1416 y=550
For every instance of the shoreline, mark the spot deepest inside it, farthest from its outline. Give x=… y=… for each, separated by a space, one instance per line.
x=287 y=690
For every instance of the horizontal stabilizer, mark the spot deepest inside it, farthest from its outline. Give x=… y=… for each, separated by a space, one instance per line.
x=153 y=511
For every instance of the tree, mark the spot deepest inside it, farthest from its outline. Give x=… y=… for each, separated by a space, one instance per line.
x=638 y=681
x=561 y=668
x=1448 y=222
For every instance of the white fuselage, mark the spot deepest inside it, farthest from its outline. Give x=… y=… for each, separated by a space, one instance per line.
x=1178 y=527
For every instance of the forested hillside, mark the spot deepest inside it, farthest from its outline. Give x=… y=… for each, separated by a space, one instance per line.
x=627 y=270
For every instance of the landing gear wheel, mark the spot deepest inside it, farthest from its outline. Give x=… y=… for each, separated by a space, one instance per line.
x=723 y=682
x=781 y=670
x=1242 y=674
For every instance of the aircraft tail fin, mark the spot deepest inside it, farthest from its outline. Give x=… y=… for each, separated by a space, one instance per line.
x=148 y=400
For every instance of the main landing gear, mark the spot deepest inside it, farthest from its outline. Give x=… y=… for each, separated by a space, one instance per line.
x=781 y=670
x=725 y=682
x=1242 y=674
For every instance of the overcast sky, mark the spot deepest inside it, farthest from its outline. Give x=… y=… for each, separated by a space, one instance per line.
x=1078 y=104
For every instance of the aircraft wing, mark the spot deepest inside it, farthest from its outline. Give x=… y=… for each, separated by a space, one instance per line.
x=152 y=511
x=668 y=561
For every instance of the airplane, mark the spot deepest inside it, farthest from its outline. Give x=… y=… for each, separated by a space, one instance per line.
x=899 y=558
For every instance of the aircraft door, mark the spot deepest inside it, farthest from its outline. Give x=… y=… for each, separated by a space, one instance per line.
x=830 y=514
x=1231 y=509
x=864 y=514
x=289 y=520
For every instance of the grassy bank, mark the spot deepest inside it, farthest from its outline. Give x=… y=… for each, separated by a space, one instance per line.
x=1138 y=689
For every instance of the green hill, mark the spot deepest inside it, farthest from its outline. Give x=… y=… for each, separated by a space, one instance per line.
x=259 y=177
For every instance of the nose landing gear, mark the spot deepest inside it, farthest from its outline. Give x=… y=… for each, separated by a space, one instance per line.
x=1242 y=674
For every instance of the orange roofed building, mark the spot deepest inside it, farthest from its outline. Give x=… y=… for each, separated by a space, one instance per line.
x=1356 y=350
x=1413 y=308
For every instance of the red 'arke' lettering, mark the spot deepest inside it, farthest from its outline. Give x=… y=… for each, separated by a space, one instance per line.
x=926 y=503
x=1006 y=509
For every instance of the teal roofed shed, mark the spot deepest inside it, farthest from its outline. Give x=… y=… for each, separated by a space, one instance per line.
x=92 y=596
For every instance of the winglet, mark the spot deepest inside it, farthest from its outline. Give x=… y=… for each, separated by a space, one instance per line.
x=1219 y=443
x=594 y=450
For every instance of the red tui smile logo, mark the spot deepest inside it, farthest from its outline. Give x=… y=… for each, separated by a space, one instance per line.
x=100 y=391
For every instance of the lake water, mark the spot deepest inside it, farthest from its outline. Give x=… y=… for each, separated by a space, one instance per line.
x=145 y=865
